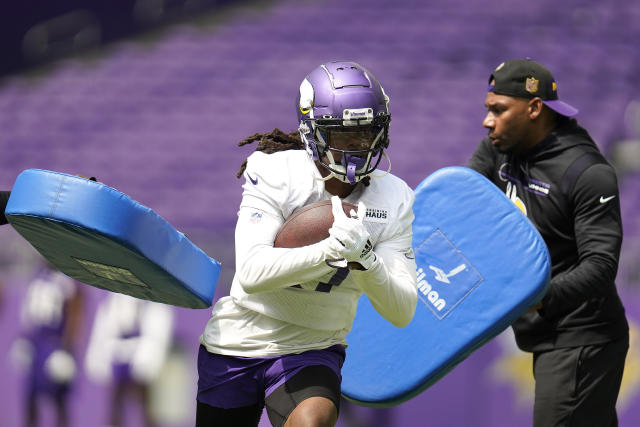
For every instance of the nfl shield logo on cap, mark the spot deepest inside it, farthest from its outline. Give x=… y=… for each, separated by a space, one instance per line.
x=531 y=84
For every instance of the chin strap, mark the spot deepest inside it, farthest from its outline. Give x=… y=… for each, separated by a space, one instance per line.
x=328 y=177
x=335 y=175
x=386 y=156
x=352 y=163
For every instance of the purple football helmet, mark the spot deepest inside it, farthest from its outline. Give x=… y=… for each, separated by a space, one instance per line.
x=343 y=97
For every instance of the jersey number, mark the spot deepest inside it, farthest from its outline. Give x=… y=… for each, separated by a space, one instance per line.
x=336 y=279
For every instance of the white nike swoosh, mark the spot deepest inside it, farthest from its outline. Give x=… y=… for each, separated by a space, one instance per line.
x=606 y=199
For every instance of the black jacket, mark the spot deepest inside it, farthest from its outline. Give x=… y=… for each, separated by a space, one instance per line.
x=4 y=198
x=570 y=193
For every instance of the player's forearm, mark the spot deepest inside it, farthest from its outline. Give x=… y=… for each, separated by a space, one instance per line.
x=266 y=268
x=390 y=285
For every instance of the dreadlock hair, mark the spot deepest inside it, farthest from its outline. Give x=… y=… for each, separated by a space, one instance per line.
x=275 y=141
x=272 y=142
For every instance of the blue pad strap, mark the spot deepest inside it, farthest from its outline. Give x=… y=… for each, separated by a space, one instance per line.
x=101 y=237
x=481 y=264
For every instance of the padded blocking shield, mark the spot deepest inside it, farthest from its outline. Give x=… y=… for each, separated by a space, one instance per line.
x=481 y=263
x=101 y=237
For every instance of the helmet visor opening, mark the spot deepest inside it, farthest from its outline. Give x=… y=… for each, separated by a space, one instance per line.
x=361 y=138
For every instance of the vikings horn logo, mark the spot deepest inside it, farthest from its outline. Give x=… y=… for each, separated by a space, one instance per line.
x=306 y=97
x=531 y=85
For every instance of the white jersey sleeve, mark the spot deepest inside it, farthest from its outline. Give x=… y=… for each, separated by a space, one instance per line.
x=46 y=299
x=391 y=282
x=261 y=267
x=269 y=198
x=129 y=331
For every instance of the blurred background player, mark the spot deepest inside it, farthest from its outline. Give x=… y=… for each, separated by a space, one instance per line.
x=128 y=346
x=4 y=198
x=51 y=318
x=553 y=171
x=279 y=339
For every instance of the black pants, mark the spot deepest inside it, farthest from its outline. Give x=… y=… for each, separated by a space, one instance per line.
x=578 y=386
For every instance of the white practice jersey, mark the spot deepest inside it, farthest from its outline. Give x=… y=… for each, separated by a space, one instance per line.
x=288 y=300
x=129 y=331
x=45 y=301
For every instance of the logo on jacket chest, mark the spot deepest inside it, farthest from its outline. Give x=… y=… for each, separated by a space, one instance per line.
x=526 y=183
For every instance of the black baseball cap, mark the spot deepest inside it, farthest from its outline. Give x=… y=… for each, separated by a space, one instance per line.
x=525 y=78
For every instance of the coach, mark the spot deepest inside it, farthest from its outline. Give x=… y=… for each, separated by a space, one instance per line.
x=553 y=171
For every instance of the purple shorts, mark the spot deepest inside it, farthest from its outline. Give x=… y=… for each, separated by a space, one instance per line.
x=38 y=380
x=234 y=382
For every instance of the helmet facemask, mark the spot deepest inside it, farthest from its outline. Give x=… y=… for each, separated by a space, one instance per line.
x=344 y=120
x=351 y=149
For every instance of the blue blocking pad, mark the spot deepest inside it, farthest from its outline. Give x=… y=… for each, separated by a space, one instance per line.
x=101 y=237
x=481 y=264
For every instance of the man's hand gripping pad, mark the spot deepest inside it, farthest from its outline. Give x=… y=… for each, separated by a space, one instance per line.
x=481 y=264
x=101 y=237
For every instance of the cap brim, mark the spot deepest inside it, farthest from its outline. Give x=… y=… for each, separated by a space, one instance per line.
x=561 y=108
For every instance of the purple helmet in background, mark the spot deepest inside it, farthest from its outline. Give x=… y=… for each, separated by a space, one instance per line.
x=343 y=96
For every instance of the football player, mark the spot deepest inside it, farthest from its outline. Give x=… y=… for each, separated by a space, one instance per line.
x=128 y=346
x=278 y=339
x=51 y=315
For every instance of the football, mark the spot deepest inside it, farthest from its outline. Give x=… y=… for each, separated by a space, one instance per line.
x=308 y=225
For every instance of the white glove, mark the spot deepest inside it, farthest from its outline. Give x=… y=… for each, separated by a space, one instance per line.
x=354 y=246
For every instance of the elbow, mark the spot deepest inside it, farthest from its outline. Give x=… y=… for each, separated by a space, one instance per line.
x=257 y=281
x=406 y=320
x=249 y=284
x=402 y=322
x=248 y=281
x=253 y=273
x=259 y=271
x=405 y=316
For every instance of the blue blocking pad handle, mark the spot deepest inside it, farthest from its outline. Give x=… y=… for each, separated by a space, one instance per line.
x=101 y=237
x=481 y=264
